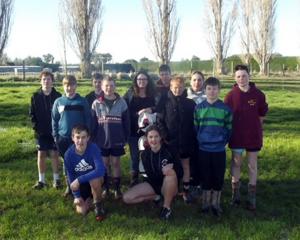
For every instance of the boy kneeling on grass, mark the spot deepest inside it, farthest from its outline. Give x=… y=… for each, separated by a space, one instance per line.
x=212 y=120
x=85 y=171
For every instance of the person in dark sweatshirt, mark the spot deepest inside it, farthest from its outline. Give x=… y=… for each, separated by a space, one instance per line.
x=68 y=111
x=85 y=171
x=176 y=122
x=249 y=108
x=140 y=99
x=40 y=113
x=93 y=95
x=163 y=172
x=111 y=126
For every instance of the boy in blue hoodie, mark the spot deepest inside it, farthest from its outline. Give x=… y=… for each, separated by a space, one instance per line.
x=85 y=171
x=212 y=120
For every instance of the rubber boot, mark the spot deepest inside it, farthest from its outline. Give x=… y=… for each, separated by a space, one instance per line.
x=215 y=203
x=251 y=201
x=236 y=196
x=206 y=195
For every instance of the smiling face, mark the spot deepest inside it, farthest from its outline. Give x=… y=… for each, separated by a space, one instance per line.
x=242 y=78
x=141 y=81
x=154 y=140
x=70 y=89
x=108 y=87
x=80 y=140
x=196 y=82
x=177 y=88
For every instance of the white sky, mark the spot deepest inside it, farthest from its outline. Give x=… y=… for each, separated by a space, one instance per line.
x=35 y=30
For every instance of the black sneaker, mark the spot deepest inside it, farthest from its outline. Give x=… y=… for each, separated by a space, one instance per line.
x=57 y=184
x=99 y=211
x=39 y=185
x=117 y=194
x=165 y=213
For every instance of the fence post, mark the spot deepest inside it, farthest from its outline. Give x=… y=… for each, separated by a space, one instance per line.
x=23 y=70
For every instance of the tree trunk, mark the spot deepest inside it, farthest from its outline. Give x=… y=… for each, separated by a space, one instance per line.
x=85 y=67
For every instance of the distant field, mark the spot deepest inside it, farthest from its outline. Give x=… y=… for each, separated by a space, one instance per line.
x=29 y=214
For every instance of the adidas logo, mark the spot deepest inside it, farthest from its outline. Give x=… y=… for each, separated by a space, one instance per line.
x=83 y=166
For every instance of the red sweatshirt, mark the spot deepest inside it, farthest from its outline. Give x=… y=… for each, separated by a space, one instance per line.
x=247 y=108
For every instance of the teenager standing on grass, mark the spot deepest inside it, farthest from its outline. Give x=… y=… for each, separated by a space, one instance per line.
x=249 y=108
x=176 y=123
x=68 y=111
x=40 y=113
x=85 y=171
x=111 y=129
x=212 y=120
x=196 y=93
x=163 y=172
x=93 y=95
x=140 y=98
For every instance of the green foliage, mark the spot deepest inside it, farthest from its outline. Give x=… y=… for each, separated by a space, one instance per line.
x=30 y=214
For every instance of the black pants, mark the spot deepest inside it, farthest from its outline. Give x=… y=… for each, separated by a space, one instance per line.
x=212 y=167
x=63 y=144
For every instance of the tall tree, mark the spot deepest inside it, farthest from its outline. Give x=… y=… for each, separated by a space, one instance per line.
x=246 y=7
x=263 y=32
x=162 y=27
x=220 y=26
x=84 y=18
x=63 y=29
x=6 y=9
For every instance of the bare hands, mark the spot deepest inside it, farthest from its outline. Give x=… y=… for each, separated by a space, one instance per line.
x=168 y=169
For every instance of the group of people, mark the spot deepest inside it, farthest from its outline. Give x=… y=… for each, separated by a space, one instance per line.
x=185 y=149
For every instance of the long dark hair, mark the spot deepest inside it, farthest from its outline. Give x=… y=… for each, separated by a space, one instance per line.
x=150 y=88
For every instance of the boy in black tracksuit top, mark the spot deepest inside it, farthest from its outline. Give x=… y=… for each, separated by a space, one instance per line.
x=176 y=123
x=40 y=114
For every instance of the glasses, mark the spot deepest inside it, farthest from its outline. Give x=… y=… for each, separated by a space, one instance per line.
x=142 y=79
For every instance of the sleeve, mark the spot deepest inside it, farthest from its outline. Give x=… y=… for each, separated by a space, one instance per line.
x=161 y=123
x=99 y=166
x=126 y=123
x=227 y=99
x=176 y=165
x=55 y=119
x=228 y=124
x=263 y=107
x=87 y=114
x=70 y=172
x=32 y=113
x=94 y=123
x=196 y=121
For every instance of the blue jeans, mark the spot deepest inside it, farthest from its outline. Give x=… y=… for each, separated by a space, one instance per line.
x=134 y=153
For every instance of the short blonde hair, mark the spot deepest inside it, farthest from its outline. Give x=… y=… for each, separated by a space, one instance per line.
x=69 y=80
x=177 y=80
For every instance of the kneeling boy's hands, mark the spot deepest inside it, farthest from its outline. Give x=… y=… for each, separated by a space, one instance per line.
x=168 y=169
x=75 y=185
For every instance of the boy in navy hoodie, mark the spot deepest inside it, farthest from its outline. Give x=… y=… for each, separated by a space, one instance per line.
x=85 y=171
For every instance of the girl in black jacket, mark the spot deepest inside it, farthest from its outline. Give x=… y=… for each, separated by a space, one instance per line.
x=163 y=171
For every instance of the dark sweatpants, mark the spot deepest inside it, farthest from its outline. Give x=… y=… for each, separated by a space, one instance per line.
x=212 y=166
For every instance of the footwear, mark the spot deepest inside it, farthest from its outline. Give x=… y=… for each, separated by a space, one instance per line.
x=206 y=195
x=165 y=213
x=99 y=211
x=251 y=201
x=57 y=184
x=105 y=193
x=117 y=194
x=236 y=196
x=195 y=192
x=187 y=197
x=157 y=200
x=215 y=203
x=39 y=185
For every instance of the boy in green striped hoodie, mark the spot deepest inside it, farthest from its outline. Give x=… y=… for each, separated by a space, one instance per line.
x=212 y=120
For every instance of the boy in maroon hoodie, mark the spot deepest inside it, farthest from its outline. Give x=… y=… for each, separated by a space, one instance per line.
x=249 y=108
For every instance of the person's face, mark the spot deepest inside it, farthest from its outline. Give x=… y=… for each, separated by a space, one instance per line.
x=196 y=82
x=97 y=84
x=70 y=90
x=108 y=87
x=242 y=78
x=80 y=140
x=177 y=89
x=46 y=82
x=154 y=139
x=141 y=81
x=165 y=77
x=212 y=92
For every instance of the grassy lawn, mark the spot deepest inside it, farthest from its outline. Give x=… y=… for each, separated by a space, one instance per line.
x=30 y=214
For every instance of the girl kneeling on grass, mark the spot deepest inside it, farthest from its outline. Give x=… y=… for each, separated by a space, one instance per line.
x=163 y=171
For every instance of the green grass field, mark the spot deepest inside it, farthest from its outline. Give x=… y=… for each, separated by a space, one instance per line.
x=30 y=214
